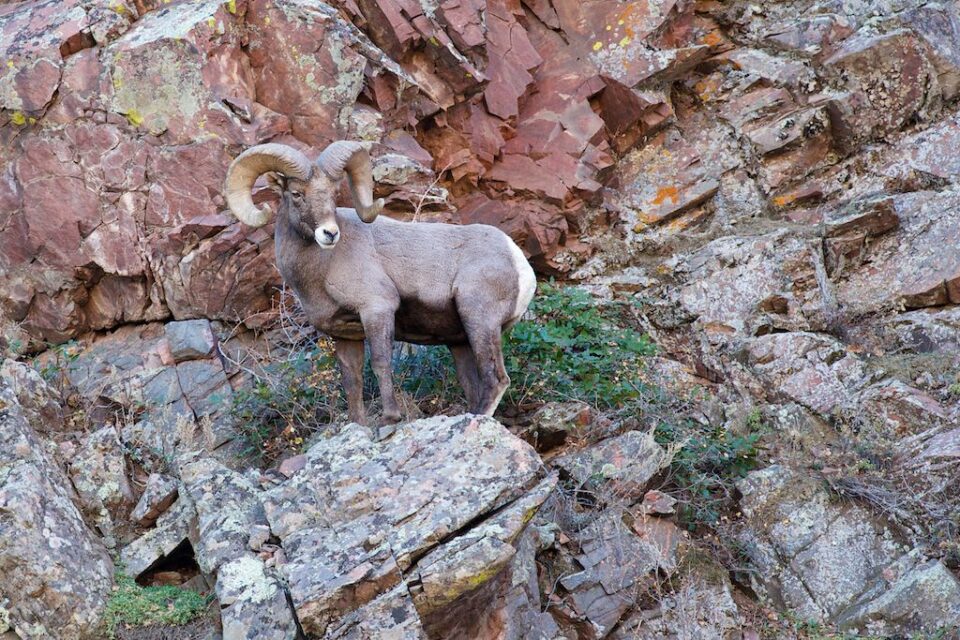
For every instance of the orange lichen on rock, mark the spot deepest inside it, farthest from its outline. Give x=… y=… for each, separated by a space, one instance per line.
x=666 y=192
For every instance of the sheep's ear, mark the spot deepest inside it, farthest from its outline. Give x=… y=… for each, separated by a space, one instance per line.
x=276 y=182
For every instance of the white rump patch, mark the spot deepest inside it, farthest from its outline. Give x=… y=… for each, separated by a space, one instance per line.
x=526 y=280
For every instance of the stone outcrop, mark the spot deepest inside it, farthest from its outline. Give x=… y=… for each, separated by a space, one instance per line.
x=439 y=508
x=55 y=574
x=839 y=563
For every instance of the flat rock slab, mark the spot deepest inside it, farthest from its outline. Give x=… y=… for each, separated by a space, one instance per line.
x=361 y=512
x=623 y=464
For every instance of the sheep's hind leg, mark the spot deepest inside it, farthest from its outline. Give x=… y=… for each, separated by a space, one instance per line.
x=488 y=352
x=467 y=375
x=350 y=358
x=378 y=327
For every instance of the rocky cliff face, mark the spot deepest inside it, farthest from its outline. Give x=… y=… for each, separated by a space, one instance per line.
x=775 y=184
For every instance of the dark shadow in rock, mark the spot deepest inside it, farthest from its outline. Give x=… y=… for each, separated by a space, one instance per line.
x=174 y=569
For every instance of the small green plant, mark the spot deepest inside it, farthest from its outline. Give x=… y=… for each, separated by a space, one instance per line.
x=57 y=360
x=707 y=464
x=287 y=401
x=132 y=605
x=575 y=348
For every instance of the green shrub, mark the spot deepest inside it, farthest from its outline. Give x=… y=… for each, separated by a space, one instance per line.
x=705 y=467
x=288 y=400
x=574 y=348
x=132 y=605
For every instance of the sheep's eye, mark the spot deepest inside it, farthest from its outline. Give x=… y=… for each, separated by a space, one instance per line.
x=297 y=195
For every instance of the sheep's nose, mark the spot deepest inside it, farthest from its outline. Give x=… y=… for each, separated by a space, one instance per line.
x=330 y=235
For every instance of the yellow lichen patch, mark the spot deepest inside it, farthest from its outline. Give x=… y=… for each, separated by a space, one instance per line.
x=647 y=219
x=211 y=22
x=784 y=200
x=134 y=117
x=597 y=45
x=666 y=192
x=32 y=120
x=10 y=63
x=18 y=119
x=232 y=6
x=624 y=41
x=119 y=8
x=609 y=27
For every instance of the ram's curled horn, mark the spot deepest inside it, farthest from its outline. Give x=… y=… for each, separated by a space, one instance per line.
x=353 y=158
x=249 y=166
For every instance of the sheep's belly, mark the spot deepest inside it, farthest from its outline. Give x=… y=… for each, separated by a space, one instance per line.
x=412 y=323
x=424 y=325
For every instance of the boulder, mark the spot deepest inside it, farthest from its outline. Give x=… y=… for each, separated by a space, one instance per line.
x=885 y=78
x=813 y=555
x=618 y=468
x=619 y=563
x=98 y=471
x=38 y=400
x=190 y=339
x=912 y=596
x=441 y=504
x=173 y=529
x=161 y=492
x=908 y=267
x=55 y=574
x=739 y=286
x=813 y=370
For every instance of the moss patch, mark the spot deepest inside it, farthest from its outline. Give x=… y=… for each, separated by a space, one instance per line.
x=131 y=605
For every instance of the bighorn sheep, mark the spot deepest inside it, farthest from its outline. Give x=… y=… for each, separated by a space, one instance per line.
x=360 y=277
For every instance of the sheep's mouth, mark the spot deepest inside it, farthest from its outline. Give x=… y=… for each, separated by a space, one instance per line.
x=325 y=238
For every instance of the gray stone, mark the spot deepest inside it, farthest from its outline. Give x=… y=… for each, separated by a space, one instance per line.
x=911 y=597
x=158 y=495
x=554 y=422
x=228 y=506
x=622 y=466
x=618 y=565
x=814 y=370
x=205 y=386
x=740 y=286
x=190 y=339
x=174 y=527
x=813 y=555
x=39 y=401
x=98 y=471
x=702 y=608
x=363 y=511
x=253 y=602
x=389 y=615
x=55 y=575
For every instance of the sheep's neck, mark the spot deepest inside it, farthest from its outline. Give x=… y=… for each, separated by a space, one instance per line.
x=301 y=262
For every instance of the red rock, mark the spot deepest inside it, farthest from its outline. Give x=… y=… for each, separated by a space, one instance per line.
x=664 y=179
x=289 y=41
x=886 y=78
x=938 y=27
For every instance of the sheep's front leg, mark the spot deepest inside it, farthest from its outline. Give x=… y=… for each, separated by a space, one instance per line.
x=350 y=358
x=378 y=327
